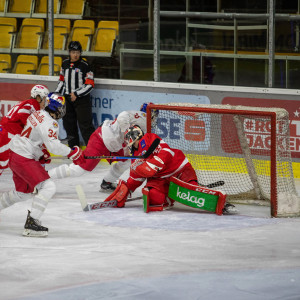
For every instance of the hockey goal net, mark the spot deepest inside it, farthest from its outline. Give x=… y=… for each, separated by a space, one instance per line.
x=246 y=147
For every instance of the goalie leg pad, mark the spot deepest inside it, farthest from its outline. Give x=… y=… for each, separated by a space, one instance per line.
x=156 y=197
x=196 y=196
x=146 y=201
x=120 y=194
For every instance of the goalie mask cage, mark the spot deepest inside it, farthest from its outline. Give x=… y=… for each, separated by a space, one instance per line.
x=246 y=147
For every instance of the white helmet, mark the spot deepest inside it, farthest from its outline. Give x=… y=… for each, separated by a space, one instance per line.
x=39 y=90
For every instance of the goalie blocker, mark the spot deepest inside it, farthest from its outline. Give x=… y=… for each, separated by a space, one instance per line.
x=190 y=195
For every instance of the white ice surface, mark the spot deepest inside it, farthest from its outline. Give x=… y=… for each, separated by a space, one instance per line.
x=126 y=254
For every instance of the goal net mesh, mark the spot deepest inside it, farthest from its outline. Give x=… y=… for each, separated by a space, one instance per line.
x=235 y=147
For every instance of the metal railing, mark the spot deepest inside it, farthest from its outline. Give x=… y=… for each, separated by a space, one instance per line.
x=270 y=17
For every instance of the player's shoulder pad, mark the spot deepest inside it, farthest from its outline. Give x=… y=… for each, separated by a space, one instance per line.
x=55 y=124
x=147 y=140
x=84 y=62
x=50 y=121
x=150 y=136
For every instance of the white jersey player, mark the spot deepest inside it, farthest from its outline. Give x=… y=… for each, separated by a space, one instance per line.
x=108 y=139
x=14 y=121
x=28 y=153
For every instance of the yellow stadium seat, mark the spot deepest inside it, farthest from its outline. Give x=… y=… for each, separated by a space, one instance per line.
x=2 y=5
x=26 y=64
x=5 y=63
x=73 y=7
x=30 y=34
x=8 y=28
x=105 y=37
x=83 y=31
x=61 y=33
x=41 y=6
x=43 y=68
x=20 y=6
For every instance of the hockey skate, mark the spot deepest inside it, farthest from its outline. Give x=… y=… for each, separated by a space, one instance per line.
x=34 y=228
x=168 y=204
x=107 y=187
x=229 y=209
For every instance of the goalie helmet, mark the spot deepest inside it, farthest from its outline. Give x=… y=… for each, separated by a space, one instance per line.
x=133 y=134
x=39 y=90
x=56 y=105
x=154 y=112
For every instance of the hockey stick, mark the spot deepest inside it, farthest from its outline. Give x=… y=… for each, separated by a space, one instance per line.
x=146 y=155
x=113 y=203
x=214 y=184
x=97 y=205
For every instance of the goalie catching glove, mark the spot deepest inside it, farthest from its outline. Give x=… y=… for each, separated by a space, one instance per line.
x=120 y=194
x=76 y=155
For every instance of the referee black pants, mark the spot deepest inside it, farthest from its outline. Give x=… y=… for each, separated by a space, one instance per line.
x=78 y=112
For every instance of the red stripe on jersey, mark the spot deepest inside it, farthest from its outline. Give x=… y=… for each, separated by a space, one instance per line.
x=90 y=81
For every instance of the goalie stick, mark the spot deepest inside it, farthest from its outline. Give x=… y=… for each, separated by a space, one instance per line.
x=146 y=155
x=213 y=184
x=97 y=205
x=113 y=203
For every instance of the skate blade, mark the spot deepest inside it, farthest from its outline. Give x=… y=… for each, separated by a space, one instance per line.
x=231 y=211
x=33 y=233
x=168 y=207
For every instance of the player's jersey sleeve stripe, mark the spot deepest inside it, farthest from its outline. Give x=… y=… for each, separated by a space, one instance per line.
x=4 y=148
x=25 y=111
x=168 y=150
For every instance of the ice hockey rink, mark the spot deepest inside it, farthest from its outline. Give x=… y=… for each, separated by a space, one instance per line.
x=124 y=253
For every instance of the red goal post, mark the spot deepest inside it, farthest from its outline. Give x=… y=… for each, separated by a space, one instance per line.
x=247 y=147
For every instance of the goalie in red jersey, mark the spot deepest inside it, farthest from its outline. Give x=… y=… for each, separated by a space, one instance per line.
x=169 y=175
x=158 y=168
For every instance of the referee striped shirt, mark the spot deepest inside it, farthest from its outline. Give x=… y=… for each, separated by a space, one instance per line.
x=75 y=77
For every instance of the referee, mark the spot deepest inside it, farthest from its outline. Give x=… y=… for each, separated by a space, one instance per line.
x=76 y=81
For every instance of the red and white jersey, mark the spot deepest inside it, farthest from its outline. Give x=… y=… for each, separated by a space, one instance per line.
x=16 y=118
x=171 y=161
x=113 y=130
x=40 y=130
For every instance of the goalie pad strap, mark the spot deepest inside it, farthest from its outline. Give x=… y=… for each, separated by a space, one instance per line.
x=196 y=196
